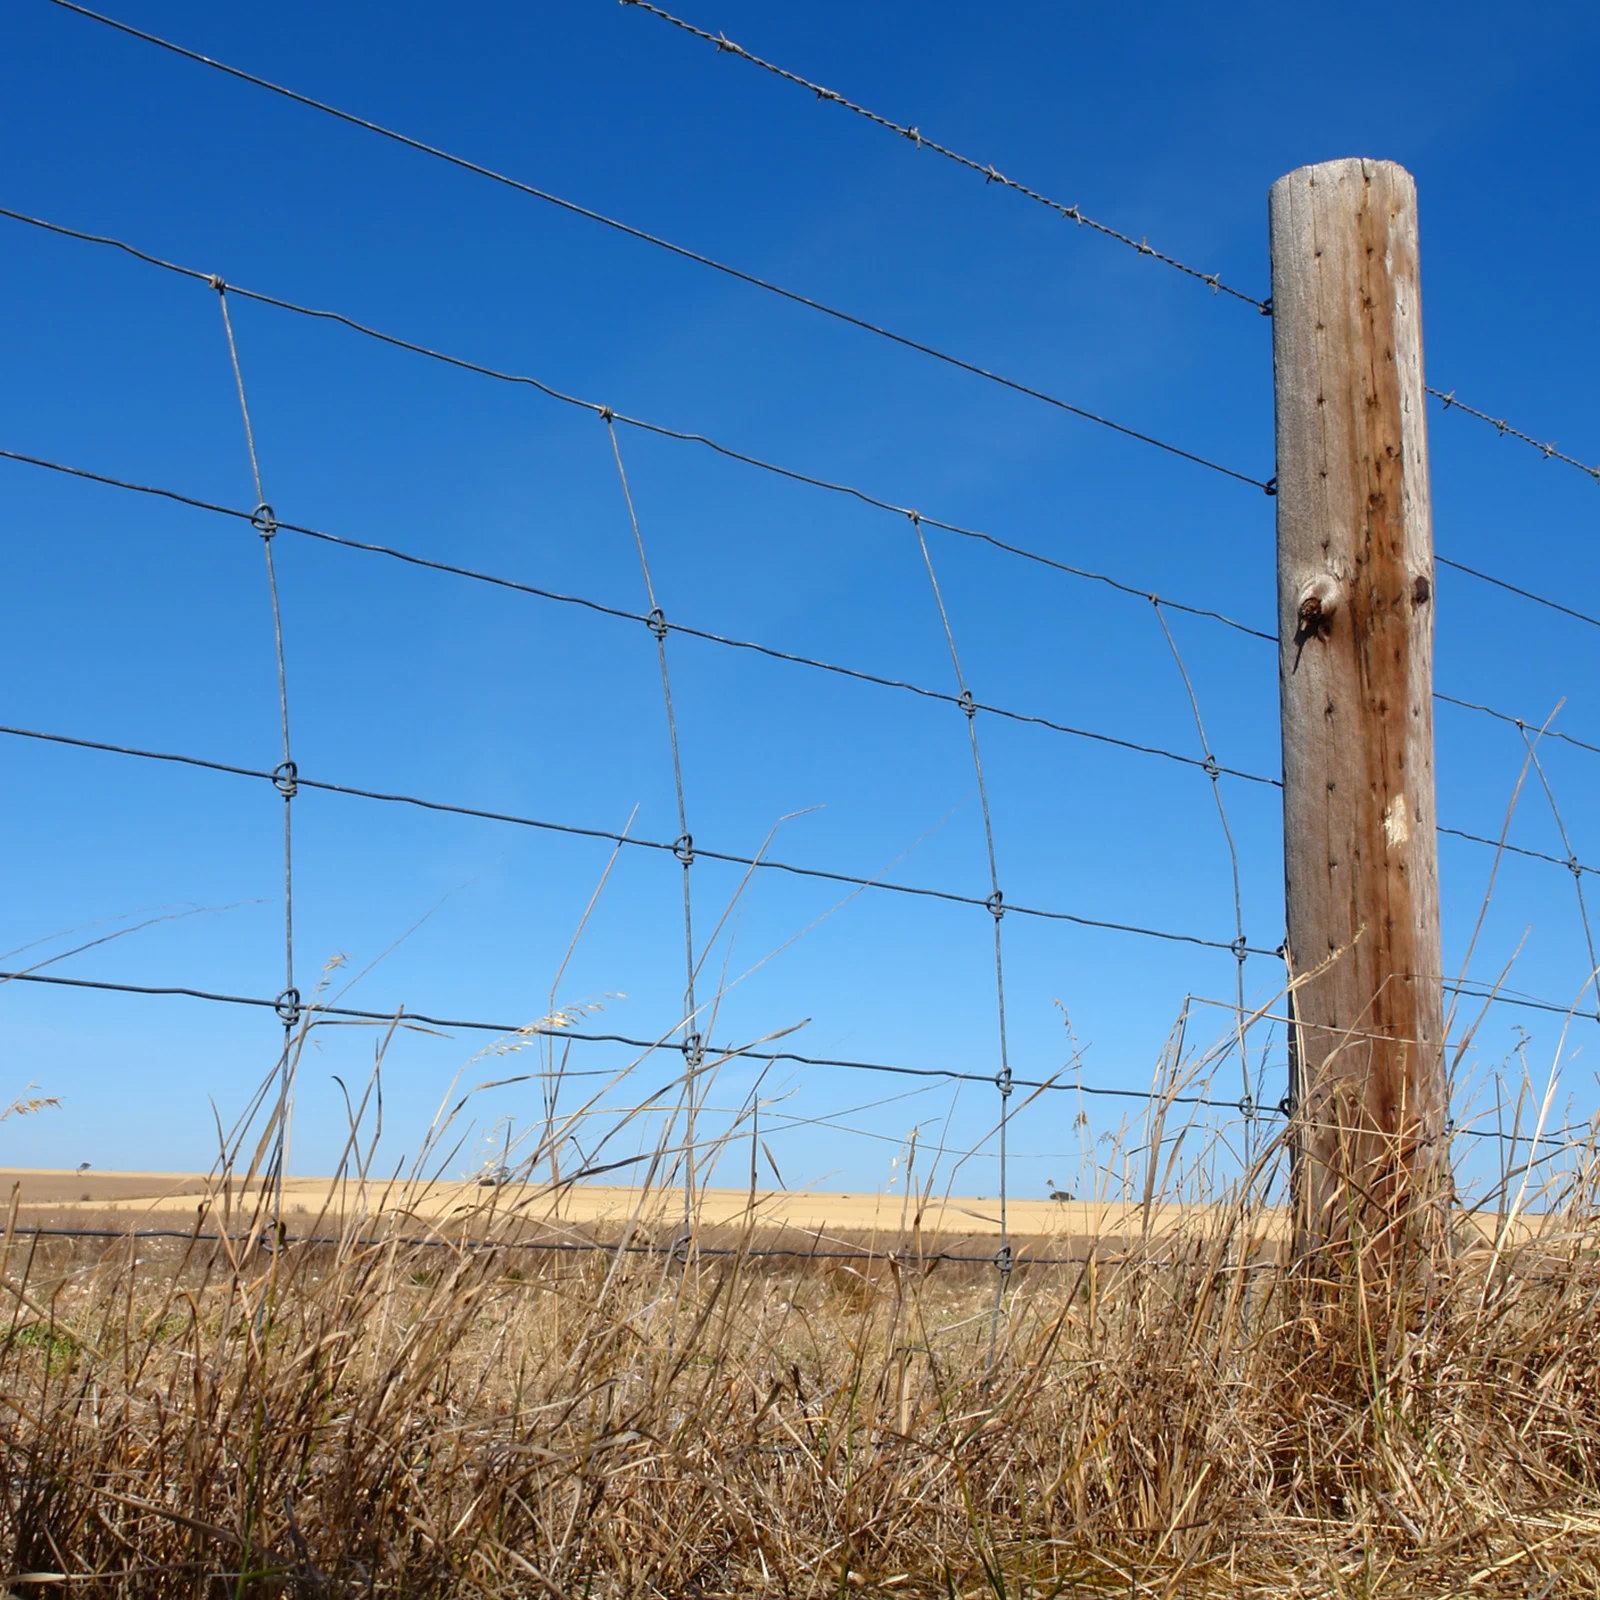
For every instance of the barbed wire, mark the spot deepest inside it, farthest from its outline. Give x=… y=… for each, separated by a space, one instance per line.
x=849 y=318
x=764 y=863
x=661 y=430
x=1548 y=451
x=986 y=171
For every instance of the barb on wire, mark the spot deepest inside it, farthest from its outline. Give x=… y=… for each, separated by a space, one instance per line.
x=1240 y=947
x=986 y=171
x=661 y=430
x=1505 y=430
x=996 y=905
x=462 y=163
x=651 y=620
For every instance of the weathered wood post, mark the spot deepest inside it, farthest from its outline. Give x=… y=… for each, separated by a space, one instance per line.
x=1355 y=622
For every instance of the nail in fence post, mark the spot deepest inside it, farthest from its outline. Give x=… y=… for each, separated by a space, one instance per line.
x=1355 y=622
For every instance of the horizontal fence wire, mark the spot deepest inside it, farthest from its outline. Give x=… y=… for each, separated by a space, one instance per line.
x=268 y=1241
x=903 y=340
x=673 y=847
x=986 y=171
x=1548 y=451
x=661 y=430
x=314 y=1011
x=652 y=619
x=658 y=623
x=1208 y=765
x=1522 y=723
x=1526 y=594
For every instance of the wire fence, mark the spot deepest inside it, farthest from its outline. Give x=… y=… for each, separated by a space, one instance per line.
x=686 y=1037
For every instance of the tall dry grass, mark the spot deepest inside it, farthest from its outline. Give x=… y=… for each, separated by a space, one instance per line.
x=1175 y=1415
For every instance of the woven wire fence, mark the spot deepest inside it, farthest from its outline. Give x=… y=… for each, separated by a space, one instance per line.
x=1235 y=1080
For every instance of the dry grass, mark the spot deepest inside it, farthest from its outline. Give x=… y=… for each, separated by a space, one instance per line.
x=216 y=1419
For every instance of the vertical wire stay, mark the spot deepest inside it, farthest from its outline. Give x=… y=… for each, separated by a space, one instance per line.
x=996 y=906
x=285 y=775
x=1573 y=865
x=1247 y=1103
x=683 y=848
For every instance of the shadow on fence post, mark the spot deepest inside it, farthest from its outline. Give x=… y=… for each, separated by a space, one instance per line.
x=1355 y=620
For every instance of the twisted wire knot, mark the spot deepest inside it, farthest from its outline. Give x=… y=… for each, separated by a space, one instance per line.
x=264 y=521
x=287 y=1006
x=286 y=779
x=683 y=848
x=996 y=905
x=656 y=622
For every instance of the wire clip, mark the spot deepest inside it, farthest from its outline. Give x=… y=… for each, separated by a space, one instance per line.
x=1003 y=1261
x=286 y=779
x=683 y=848
x=263 y=520
x=287 y=1005
x=996 y=905
x=657 y=622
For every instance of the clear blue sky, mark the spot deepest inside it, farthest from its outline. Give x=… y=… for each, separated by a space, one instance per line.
x=146 y=624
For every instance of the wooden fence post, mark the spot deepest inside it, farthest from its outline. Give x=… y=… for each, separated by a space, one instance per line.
x=1355 y=623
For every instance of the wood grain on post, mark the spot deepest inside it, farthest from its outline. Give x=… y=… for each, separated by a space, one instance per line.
x=1355 y=621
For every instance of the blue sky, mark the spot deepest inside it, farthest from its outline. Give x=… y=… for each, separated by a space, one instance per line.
x=141 y=623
